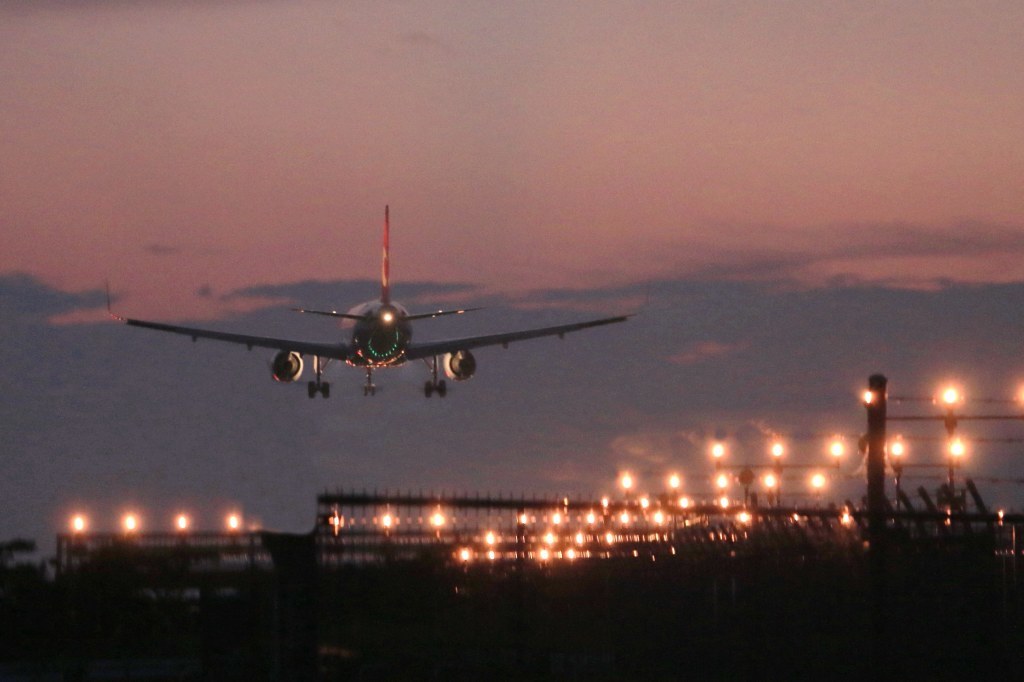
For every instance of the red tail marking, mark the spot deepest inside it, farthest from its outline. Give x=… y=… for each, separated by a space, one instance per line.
x=385 y=270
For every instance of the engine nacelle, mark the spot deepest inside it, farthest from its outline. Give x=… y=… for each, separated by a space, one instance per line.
x=287 y=366
x=459 y=366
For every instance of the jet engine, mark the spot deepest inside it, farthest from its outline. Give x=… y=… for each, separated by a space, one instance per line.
x=459 y=366
x=287 y=366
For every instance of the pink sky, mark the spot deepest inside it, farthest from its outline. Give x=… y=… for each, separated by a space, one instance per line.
x=170 y=145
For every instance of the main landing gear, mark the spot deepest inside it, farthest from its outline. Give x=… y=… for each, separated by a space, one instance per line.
x=433 y=385
x=321 y=387
x=369 y=388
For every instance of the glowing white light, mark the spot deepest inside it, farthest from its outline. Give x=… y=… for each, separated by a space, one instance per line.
x=818 y=481
x=777 y=449
x=718 y=450
x=549 y=538
x=437 y=519
x=674 y=481
x=659 y=518
x=234 y=522
x=722 y=481
x=388 y=316
x=591 y=518
x=950 y=396
x=743 y=517
x=957 y=448
x=489 y=539
x=609 y=538
x=130 y=523
x=545 y=555
x=723 y=502
x=181 y=522
x=644 y=502
x=570 y=553
x=387 y=521
x=684 y=502
x=770 y=481
x=522 y=518
x=868 y=397
x=624 y=517
x=490 y=555
x=604 y=502
x=78 y=523
x=837 y=448
x=464 y=554
x=897 y=448
x=556 y=518
x=846 y=519
x=626 y=481
x=579 y=538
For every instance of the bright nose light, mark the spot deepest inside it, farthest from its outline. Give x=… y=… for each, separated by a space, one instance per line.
x=388 y=316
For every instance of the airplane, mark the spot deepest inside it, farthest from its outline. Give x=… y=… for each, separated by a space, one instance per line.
x=381 y=337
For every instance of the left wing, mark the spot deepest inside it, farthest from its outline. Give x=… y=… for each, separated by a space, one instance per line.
x=417 y=351
x=337 y=351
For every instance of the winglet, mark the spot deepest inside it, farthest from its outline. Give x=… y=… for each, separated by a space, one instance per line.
x=385 y=270
x=110 y=311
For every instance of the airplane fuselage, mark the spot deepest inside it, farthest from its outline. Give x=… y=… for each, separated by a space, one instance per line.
x=381 y=337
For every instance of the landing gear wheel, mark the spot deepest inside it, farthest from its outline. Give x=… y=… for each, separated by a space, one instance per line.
x=442 y=388
x=428 y=389
x=312 y=389
x=325 y=390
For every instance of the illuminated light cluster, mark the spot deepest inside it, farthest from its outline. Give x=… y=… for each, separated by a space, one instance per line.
x=387 y=521
x=624 y=517
x=645 y=503
x=777 y=449
x=846 y=519
x=556 y=518
x=951 y=396
x=836 y=448
x=718 y=450
x=549 y=538
x=131 y=522
x=897 y=448
x=818 y=481
x=957 y=448
x=722 y=481
x=465 y=555
x=437 y=519
x=490 y=538
x=770 y=481
x=723 y=502
x=674 y=481
x=591 y=518
x=626 y=481
x=659 y=518
x=685 y=502
x=744 y=517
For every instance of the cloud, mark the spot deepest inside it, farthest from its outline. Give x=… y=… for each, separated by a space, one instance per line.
x=703 y=351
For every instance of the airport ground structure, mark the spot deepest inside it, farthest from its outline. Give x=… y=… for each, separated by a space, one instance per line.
x=413 y=586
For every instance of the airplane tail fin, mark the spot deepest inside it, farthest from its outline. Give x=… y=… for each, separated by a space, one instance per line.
x=385 y=270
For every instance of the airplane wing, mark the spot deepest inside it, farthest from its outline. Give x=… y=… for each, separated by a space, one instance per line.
x=324 y=350
x=428 y=349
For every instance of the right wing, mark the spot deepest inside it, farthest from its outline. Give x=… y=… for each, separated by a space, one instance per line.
x=432 y=348
x=324 y=350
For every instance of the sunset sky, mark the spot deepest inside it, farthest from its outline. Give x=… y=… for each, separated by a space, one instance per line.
x=713 y=161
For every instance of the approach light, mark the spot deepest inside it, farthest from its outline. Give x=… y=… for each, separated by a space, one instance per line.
x=78 y=523
x=957 y=448
x=489 y=538
x=684 y=502
x=570 y=554
x=950 y=396
x=897 y=448
x=181 y=523
x=624 y=517
x=626 y=481
x=644 y=502
x=743 y=517
x=659 y=518
x=545 y=554
x=777 y=449
x=490 y=555
x=837 y=449
x=722 y=481
x=718 y=450
x=723 y=502
x=437 y=520
x=465 y=554
x=609 y=538
x=604 y=502
x=556 y=518
x=549 y=538
x=579 y=538
x=818 y=481
x=130 y=523
x=674 y=481
x=770 y=481
x=387 y=521
x=234 y=522
x=591 y=518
